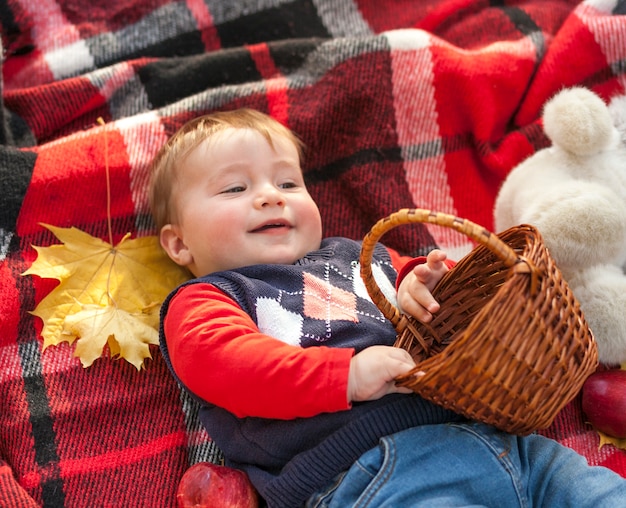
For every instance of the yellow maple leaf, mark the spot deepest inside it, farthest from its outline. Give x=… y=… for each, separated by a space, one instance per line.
x=126 y=334
x=106 y=294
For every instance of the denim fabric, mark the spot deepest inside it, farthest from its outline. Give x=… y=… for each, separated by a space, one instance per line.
x=471 y=465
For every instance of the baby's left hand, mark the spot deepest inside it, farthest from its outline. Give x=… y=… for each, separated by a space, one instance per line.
x=414 y=293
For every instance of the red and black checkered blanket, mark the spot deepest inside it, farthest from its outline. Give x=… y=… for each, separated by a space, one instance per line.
x=401 y=104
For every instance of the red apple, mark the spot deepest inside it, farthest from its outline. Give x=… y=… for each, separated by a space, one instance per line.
x=206 y=485
x=604 y=401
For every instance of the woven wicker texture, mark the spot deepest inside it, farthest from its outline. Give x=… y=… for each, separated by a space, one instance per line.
x=510 y=346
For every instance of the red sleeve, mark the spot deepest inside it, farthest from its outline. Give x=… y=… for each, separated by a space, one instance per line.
x=404 y=264
x=398 y=261
x=220 y=355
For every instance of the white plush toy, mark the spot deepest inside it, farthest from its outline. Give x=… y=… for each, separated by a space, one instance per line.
x=574 y=193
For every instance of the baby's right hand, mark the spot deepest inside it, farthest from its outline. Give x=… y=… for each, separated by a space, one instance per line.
x=414 y=292
x=373 y=372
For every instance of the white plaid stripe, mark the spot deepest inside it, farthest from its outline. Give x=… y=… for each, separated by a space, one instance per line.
x=342 y=18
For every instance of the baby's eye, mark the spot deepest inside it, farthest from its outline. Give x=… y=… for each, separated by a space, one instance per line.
x=235 y=189
x=288 y=185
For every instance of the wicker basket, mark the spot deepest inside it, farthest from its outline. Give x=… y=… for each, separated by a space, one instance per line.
x=509 y=346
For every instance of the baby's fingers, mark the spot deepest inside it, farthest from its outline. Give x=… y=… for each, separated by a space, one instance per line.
x=420 y=304
x=436 y=258
x=402 y=363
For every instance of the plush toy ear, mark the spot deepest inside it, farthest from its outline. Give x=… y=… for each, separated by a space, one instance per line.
x=172 y=242
x=578 y=121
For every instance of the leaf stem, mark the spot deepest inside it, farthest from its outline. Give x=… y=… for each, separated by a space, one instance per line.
x=108 y=179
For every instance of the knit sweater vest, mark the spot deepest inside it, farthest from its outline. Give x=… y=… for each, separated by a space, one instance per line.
x=319 y=300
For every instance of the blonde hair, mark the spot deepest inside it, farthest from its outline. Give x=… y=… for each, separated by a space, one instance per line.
x=172 y=154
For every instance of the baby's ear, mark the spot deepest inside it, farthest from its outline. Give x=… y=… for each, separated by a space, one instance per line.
x=172 y=242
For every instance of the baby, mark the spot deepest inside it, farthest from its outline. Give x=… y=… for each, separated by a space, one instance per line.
x=292 y=363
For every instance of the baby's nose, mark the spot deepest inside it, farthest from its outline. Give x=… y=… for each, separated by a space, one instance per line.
x=270 y=196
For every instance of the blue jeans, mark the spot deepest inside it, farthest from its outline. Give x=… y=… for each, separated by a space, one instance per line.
x=471 y=464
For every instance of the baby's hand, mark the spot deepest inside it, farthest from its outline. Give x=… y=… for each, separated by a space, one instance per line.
x=373 y=371
x=414 y=293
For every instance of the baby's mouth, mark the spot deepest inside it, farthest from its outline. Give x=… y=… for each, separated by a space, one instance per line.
x=271 y=225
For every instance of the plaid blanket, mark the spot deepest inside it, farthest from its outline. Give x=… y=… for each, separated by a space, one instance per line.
x=400 y=104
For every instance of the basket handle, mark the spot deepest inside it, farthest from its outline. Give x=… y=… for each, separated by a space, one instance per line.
x=411 y=215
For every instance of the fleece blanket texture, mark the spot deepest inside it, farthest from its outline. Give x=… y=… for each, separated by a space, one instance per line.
x=400 y=103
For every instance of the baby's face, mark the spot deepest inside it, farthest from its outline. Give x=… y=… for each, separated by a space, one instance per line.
x=241 y=202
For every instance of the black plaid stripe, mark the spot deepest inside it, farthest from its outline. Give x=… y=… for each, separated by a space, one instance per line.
x=170 y=80
x=36 y=395
x=290 y=20
x=16 y=168
x=169 y=30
